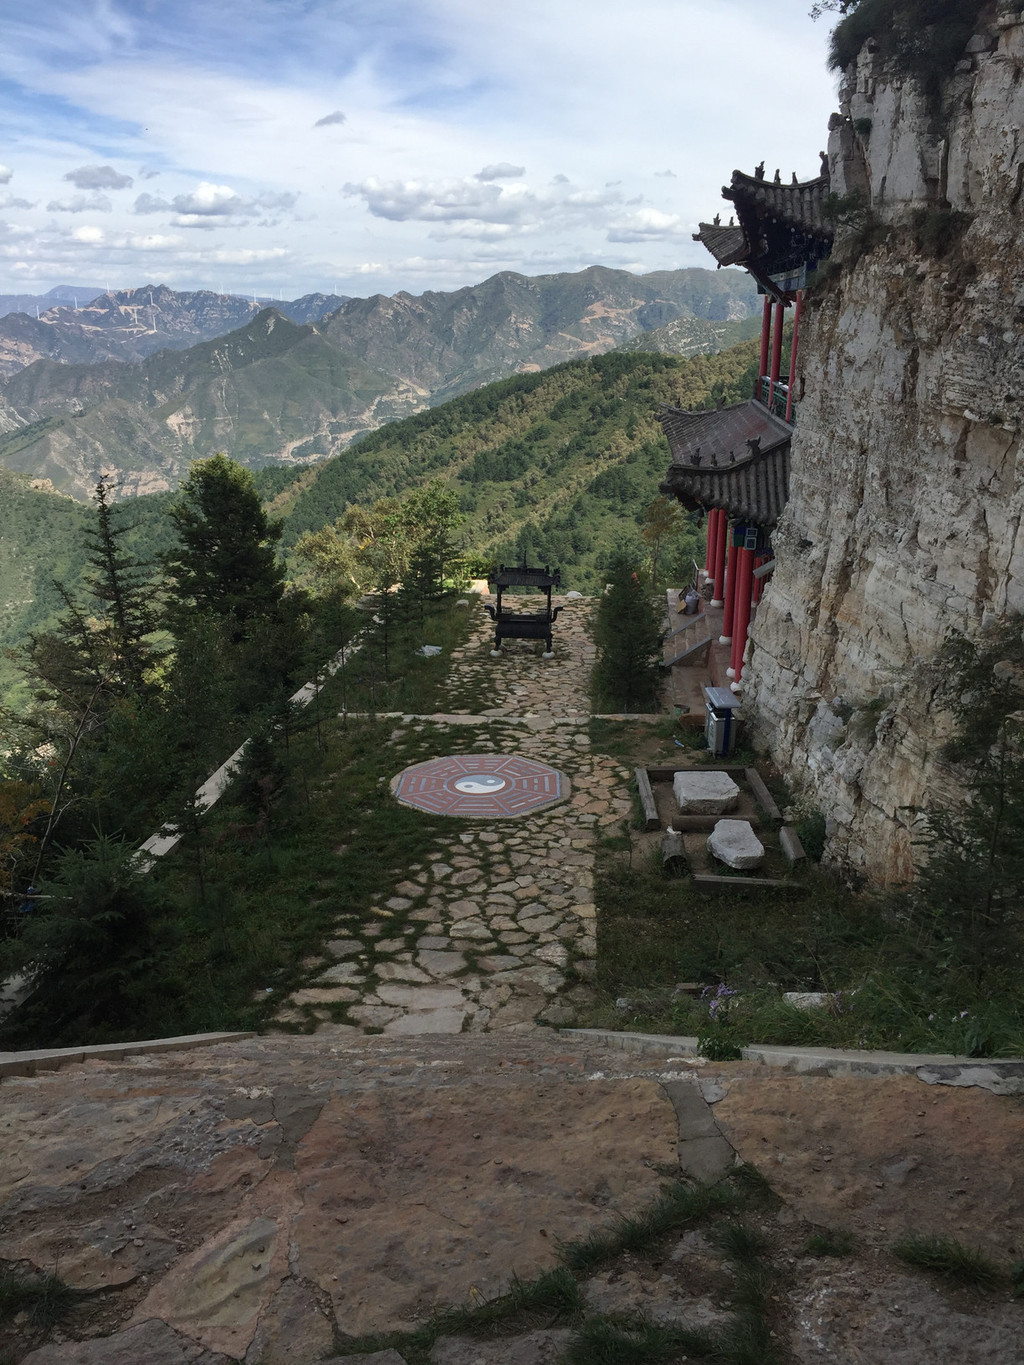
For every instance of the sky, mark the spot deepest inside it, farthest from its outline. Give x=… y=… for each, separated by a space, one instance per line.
x=282 y=147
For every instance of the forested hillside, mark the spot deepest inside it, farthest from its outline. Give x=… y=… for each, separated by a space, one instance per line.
x=558 y=466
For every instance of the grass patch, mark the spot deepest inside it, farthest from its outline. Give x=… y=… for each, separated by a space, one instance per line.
x=829 y=1242
x=636 y=1341
x=680 y=1205
x=551 y=1298
x=948 y=1257
x=45 y=1299
x=888 y=987
x=740 y=1242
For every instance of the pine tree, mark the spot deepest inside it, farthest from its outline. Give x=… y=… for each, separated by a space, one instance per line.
x=627 y=632
x=225 y=564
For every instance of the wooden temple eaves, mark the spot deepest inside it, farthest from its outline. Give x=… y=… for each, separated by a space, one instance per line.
x=781 y=231
x=735 y=458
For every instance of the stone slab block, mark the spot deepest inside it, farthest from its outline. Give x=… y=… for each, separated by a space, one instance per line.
x=701 y=793
x=734 y=843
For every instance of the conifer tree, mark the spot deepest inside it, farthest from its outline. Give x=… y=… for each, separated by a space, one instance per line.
x=225 y=564
x=627 y=632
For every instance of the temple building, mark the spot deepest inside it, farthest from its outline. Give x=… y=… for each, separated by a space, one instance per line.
x=733 y=462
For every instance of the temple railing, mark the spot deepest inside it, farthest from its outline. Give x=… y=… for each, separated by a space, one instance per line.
x=779 y=398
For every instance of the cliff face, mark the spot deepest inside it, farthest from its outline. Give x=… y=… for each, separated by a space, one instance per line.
x=906 y=503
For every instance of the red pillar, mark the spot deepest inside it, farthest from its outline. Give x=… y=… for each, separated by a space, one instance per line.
x=741 y=619
x=780 y=309
x=722 y=532
x=792 y=353
x=710 y=527
x=766 y=332
x=758 y=583
x=729 y=602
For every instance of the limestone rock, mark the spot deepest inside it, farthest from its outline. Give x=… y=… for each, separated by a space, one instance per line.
x=734 y=843
x=151 y=1342
x=906 y=510
x=703 y=793
x=532 y=1348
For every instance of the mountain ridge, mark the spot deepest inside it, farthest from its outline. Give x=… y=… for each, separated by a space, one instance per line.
x=277 y=391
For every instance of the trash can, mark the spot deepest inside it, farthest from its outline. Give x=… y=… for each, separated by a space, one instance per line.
x=720 y=704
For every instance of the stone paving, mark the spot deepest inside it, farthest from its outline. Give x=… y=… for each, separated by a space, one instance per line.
x=495 y=928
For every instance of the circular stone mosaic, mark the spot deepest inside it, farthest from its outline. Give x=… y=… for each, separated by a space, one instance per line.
x=488 y=785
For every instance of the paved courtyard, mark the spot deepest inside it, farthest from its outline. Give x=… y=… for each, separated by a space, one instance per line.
x=495 y=928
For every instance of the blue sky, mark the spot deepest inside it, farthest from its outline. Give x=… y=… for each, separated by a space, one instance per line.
x=285 y=146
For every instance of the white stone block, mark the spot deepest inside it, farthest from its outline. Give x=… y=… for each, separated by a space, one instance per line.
x=704 y=793
x=734 y=843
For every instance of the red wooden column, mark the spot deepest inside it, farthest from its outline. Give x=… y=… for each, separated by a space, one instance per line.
x=792 y=354
x=721 y=536
x=758 y=584
x=741 y=618
x=766 y=332
x=780 y=309
x=709 y=548
x=729 y=601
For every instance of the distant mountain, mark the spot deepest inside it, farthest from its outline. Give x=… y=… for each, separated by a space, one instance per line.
x=74 y=294
x=275 y=391
x=694 y=336
x=134 y=323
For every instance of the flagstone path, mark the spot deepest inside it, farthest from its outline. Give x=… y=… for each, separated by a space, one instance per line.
x=495 y=928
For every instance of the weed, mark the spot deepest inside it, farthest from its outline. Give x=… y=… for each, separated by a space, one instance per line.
x=45 y=1299
x=739 y=1242
x=636 y=1341
x=752 y=1289
x=949 y=1257
x=719 y=1044
x=679 y=1204
x=829 y=1242
x=553 y=1296
x=751 y=1182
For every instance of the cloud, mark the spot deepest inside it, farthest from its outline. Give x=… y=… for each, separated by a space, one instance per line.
x=665 y=175
x=90 y=236
x=9 y=201
x=646 y=225
x=328 y=119
x=80 y=203
x=469 y=208
x=502 y=170
x=99 y=178
x=209 y=201
x=5 y=175
x=151 y=241
x=560 y=179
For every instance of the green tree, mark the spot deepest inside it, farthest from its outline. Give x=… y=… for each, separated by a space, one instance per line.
x=225 y=564
x=121 y=586
x=663 y=521
x=627 y=632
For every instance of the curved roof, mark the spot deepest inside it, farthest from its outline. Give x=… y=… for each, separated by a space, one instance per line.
x=735 y=457
x=779 y=229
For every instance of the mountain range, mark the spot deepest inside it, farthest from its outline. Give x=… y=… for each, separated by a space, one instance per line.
x=132 y=323
x=278 y=390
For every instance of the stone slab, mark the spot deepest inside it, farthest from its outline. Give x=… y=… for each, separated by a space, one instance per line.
x=734 y=843
x=705 y=793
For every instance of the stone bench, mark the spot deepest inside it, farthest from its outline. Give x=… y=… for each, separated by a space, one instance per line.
x=705 y=793
x=734 y=843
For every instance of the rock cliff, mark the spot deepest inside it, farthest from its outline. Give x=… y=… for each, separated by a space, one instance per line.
x=905 y=513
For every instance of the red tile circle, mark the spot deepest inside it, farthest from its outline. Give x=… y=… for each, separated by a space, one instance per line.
x=483 y=785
